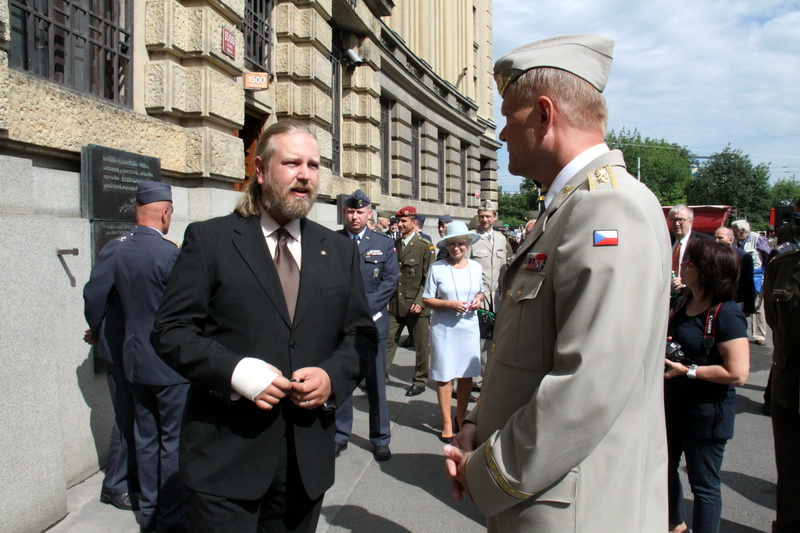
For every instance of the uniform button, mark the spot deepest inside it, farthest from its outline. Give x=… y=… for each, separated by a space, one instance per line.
x=508 y=294
x=518 y=294
x=292 y=345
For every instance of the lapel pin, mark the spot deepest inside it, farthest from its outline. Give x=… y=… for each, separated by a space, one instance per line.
x=323 y=252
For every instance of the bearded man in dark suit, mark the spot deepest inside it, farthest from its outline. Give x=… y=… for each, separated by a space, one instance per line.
x=266 y=316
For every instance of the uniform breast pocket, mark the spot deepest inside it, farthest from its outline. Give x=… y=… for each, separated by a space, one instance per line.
x=480 y=254
x=521 y=339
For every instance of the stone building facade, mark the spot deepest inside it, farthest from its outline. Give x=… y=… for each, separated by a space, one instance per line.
x=398 y=92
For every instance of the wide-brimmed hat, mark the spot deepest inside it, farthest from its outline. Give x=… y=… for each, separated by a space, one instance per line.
x=457 y=229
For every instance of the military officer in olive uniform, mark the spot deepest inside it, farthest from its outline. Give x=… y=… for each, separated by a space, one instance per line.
x=415 y=255
x=782 y=309
x=379 y=270
x=568 y=434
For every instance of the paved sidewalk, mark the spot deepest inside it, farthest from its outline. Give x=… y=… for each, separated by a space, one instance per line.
x=409 y=493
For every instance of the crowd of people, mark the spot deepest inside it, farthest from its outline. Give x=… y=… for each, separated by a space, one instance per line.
x=232 y=379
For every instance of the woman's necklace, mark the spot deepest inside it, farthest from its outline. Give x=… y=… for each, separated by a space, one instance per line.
x=453 y=276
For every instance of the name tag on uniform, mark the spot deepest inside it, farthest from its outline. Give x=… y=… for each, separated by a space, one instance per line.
x=534 y=262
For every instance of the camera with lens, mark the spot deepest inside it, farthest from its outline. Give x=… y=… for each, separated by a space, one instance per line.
x=675 y=353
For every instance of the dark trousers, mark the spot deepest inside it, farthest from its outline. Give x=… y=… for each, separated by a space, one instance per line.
x=703 y=464
x=786 y=430
x=379 y=432
x=121 y=475
x=285 y=508
x=157 y=428
x=419 y=327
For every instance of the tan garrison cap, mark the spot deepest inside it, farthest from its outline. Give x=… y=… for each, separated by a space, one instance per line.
x=487 y=205
x=586 y=56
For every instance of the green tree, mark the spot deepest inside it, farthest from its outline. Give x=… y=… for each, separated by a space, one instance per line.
x=784 y=192
x=666 y=168
x=730 y=178
x=513 y=206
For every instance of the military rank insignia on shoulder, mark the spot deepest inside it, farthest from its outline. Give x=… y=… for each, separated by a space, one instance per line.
x=602 y=178
x=785 y=249
x=171 y=242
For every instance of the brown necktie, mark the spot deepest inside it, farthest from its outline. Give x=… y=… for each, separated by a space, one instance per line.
x=287 y=270
x=676 y=258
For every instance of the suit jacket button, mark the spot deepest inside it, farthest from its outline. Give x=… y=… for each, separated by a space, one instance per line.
x=292 y=345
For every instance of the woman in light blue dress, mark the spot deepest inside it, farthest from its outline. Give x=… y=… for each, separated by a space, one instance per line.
x=454 y=292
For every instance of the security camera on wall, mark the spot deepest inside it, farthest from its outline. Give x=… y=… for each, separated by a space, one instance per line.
x=352 y=55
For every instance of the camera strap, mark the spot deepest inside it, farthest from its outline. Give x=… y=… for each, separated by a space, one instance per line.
x=708 y=332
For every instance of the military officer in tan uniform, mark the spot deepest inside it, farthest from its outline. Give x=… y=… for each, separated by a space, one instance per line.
x=782 y=309
x=568 y=434
x=415 y=255
x=491 y=253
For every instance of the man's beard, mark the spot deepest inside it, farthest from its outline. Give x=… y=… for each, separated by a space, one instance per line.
x=281 y=203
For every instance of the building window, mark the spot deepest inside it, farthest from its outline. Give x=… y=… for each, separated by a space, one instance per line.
x=416 y=125
x=83 y=44
x=337 y=54
x=258 y=34
x=386 y=145
x=464 y=149
x=442 y=185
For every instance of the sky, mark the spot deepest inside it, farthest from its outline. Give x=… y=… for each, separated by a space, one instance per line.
x=703 y=74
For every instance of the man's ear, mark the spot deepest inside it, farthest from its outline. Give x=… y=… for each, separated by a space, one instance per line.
x=258 y=164
x=545 y=112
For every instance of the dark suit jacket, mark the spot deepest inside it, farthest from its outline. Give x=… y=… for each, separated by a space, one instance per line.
x=102 y=306
x=142 y=265
x=746 y=290
x=224 y=302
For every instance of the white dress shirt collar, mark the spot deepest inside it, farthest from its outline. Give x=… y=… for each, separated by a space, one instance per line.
x=580 y=161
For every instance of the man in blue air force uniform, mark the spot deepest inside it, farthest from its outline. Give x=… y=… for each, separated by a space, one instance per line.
x=106 y=320
x=380 y=270
x=142 y=265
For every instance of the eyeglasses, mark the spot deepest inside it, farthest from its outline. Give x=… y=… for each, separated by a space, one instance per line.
x=678 y=220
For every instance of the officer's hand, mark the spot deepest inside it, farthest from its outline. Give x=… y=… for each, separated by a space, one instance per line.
x=415 y=309
x=456 y=466
x=88 y=338
x=311 y=387
x=467 y=438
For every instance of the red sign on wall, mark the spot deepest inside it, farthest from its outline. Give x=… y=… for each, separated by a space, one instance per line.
x=228 y=43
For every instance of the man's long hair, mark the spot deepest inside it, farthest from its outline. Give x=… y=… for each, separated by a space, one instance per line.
x=250 y=202
x=579 y=102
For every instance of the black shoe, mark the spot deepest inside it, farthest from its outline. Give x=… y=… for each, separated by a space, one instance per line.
x=446 y=440
x=414 y=390
x=766 y=409
x=338 y=448
x=382 y=453
x=120 y=501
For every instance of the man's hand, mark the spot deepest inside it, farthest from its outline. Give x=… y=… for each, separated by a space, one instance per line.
x=277 y=390
x=88 y=338
x=415 y=309
x=456 y=465
x=311 y=387
x=467 y=438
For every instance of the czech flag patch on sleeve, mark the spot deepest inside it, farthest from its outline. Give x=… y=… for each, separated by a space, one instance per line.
x=606 y=237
